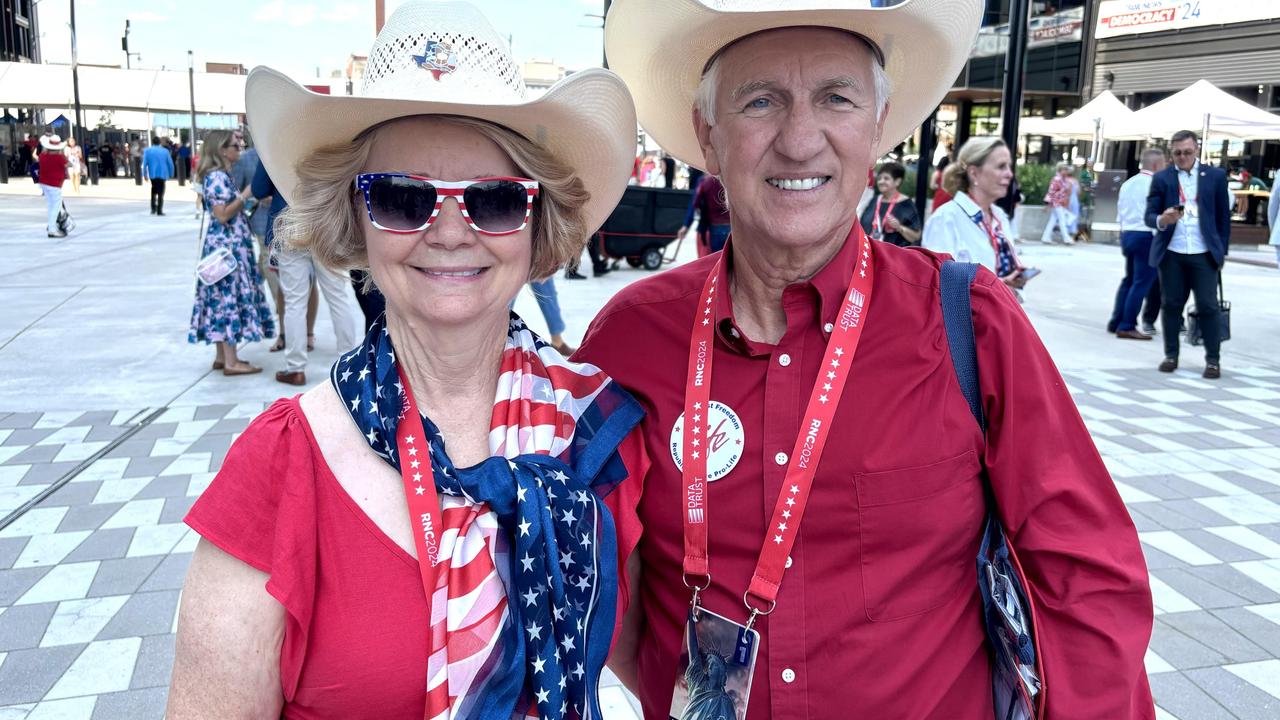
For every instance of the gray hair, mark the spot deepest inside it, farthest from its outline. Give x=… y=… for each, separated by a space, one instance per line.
x=709 y=85
x=1149 y=155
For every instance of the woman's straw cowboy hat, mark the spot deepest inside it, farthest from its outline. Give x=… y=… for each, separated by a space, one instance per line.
x=444 y=58
x=662 y=47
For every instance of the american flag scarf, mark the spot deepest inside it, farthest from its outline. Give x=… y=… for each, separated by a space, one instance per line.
x=523 y=614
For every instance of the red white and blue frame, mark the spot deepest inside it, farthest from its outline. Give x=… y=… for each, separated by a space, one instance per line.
x=446 y=189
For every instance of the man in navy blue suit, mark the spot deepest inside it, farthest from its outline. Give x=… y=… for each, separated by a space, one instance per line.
x=1189 y=207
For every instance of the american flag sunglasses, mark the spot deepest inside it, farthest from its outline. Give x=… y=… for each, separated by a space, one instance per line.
x=403 y=203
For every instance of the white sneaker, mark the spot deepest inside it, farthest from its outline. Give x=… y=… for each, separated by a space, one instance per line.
x=1148 y=329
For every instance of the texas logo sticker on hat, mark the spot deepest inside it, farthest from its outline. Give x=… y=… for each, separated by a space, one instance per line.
x=438 y=57
x=725 y=439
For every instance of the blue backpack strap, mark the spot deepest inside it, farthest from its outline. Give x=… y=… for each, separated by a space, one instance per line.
x=957 y=318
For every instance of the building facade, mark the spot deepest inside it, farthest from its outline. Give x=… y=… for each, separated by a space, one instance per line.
x=1056 y=65
x=1146 y=51
x=19 y=31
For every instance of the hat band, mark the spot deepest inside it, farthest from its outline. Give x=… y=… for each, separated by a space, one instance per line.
x=871 y=44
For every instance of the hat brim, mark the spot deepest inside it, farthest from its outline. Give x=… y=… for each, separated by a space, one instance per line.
x=660 y=48
x=586 y=121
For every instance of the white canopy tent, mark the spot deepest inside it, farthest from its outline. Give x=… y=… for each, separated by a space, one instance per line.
x=49 y=86
x=1083 y=124
x=1218 y=115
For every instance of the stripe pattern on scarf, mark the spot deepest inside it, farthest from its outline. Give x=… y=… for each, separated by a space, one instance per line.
x=523 y=609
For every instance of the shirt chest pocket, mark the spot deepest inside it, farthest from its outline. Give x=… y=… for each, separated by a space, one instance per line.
x=919 y=530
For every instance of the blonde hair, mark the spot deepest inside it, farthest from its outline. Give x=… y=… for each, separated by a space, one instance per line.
x=211 y=154
x=324 y=217
x=973 y=153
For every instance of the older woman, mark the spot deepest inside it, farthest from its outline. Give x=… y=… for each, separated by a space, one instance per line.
x=972 y=227
x=891 y=217
x=1058 y=205
x=233 y=309
x=439 y=532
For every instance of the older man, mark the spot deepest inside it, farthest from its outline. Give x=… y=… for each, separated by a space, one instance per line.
x=1189 y=207
x=1135 y=243
x=856 y=564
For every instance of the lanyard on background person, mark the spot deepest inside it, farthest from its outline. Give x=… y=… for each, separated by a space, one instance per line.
x=810 y=441
x=877 y=220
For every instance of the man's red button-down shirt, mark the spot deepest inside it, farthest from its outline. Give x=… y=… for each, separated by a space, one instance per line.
x=878 y=615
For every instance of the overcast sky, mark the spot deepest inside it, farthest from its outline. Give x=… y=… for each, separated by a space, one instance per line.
x=294 y=37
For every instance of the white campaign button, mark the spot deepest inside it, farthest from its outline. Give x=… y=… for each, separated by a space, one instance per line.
x=784 y=359
x=788 y=561
x=829 y=327
x=788 y=675
x=780 y=458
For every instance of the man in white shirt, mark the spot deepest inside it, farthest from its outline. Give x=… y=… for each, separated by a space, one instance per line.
x=1135 y=241
x=1189 y=207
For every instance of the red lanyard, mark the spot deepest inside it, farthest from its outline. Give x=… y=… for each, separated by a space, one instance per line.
x=1182 y=196
x=419 y=488
x=810 y=442
x=991 y=232
x=877 y=220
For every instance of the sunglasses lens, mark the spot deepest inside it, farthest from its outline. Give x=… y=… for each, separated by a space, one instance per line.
x=400 y=203
x=497 y=205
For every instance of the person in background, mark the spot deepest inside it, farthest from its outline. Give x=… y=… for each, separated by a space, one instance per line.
x=1190 y=208
x=53 y=172
x=135 y=159
x=157 y=166
x=1135 y=243
x=245 y=170
x=301 y=281
x=544 y=291
x=940 y=195
x=1057 y=200
x=892 y=217
x=183 y=161
x=713 y=226
x=232 y=310
x=972 y=227
x=75 y=164
x=1073 y=203
x=1273 y=216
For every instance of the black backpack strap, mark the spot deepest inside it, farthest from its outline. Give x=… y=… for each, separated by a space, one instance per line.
x=957 y=318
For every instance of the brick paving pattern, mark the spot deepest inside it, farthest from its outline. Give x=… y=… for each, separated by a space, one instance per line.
x=90 y=576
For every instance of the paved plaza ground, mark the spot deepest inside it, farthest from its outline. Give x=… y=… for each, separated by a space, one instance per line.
x=111 y=425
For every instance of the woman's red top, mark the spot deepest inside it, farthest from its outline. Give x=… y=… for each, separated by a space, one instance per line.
x=356 y=627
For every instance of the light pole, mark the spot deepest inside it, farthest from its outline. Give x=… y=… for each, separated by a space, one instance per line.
x=124 y=45
x=75 y=79
x=191 y=87
x=1014 y=62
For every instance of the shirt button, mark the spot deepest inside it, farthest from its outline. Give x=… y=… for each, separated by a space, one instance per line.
x=788 y=675
x=780 y=458
x=829 y=327
x=788 y=561
x=784 y=359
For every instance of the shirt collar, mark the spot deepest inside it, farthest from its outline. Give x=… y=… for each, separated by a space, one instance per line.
x=1192 y=172
x=828 y=285
x=969 y=207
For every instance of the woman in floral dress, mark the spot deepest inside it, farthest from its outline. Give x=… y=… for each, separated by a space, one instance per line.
x=234 y=309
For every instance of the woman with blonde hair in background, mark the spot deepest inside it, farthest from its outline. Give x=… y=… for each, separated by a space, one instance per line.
x=75 y=164
x=972 y=227
x=233 y=309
